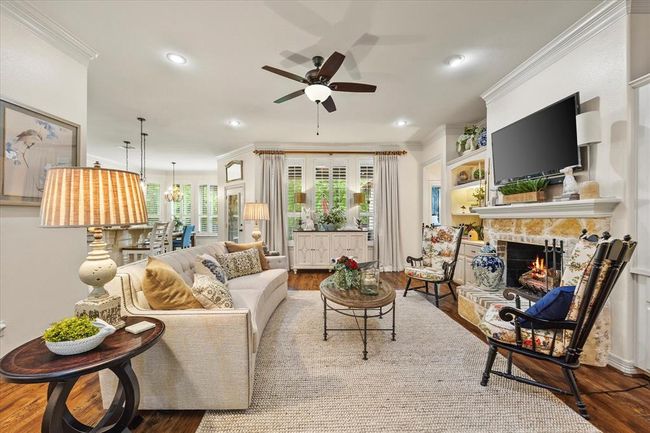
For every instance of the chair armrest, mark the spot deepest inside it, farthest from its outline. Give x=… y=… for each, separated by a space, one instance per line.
x=509 y=314
x=278 y=262
x=411 y=260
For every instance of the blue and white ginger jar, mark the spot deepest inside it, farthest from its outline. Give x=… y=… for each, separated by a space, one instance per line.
x=488 y=268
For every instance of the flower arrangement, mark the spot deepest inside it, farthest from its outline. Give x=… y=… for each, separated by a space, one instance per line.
x=347 y=274
x=72 y=328
x=334 y=218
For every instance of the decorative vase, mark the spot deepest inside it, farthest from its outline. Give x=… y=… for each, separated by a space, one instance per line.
x=482 y=138
x=488 y=268
x=469 y=144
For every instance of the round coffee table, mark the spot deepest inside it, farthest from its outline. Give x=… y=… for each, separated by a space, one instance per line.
x=34 y=363
x=349 y=302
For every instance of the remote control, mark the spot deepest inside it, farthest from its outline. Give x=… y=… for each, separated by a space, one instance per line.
x=140 y=327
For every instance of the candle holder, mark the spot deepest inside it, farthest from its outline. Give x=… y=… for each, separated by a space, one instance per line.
x=370 y=281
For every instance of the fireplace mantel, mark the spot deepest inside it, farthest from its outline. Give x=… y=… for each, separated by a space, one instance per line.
x=589 y=208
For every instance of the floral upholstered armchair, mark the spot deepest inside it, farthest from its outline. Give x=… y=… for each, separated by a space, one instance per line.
x=593 y=268
x=440 y=246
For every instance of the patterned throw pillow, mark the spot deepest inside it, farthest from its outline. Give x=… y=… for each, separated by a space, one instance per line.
x=241 y=263
x=211 y=293
x=208 y=265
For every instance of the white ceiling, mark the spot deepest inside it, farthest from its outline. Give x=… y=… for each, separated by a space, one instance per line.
x=400 y=46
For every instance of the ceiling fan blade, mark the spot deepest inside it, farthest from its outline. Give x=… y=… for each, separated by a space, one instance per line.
x=331 y=65
x=353 y=87
x=290 y=96
x=329 y=104
x=285 y=74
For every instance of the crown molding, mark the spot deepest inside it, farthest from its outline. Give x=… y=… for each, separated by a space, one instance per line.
x=640 y=82
x=49 y=30
x=596 y=20
x=236 y=152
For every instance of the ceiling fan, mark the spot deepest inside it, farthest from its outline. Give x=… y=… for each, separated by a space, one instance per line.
x=319 y=89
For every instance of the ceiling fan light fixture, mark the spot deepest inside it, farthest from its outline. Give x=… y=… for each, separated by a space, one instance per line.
x=318 y=92
x=401 y=123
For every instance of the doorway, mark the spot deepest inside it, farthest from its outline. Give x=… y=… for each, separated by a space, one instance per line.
x=234 y=213
x=432 y=199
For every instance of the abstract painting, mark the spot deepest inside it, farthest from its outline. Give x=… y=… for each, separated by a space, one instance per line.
x=32 y=142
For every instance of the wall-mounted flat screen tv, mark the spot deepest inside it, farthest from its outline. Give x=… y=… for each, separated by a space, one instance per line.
x=539 y=144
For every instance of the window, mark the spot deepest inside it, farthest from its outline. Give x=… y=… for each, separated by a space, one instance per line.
x=367 y=208
x=208 y=208
x=183 y=209
x=294 y=185
x=152 y=199
x=330 y=184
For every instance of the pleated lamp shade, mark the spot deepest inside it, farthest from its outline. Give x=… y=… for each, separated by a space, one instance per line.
x=358 y=198
x=92 y=197
x=256 y=211
x=300 y=197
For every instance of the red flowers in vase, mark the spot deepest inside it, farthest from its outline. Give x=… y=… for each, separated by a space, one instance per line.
x=347 y=262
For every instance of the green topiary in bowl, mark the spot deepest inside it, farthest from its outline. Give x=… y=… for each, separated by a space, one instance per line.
x=70 y=329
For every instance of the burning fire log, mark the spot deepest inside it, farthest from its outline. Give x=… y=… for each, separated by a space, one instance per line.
x=539 y=278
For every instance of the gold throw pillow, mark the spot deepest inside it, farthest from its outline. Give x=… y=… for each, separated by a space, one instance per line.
x=165 y=289
x=233 y=248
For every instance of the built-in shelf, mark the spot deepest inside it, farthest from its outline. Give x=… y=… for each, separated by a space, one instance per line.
x=473 y=184
x=467 y=156
x=589 y=208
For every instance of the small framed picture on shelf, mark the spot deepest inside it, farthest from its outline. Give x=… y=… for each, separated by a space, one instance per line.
x=32 y=143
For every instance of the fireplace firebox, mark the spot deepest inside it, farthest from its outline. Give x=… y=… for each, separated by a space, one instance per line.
x=534 y=267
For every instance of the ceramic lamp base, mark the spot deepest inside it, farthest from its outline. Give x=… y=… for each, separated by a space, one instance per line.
x=106 y=308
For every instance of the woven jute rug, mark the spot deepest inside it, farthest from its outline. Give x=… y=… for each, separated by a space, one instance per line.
x=426 y=381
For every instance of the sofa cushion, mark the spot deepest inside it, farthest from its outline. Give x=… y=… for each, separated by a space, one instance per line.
x=233 y=248
x=269 y=279
x=211 y=293
x=165 y=289
x=241 y=263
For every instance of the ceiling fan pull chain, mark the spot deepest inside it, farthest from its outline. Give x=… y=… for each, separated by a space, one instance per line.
x=317 y=118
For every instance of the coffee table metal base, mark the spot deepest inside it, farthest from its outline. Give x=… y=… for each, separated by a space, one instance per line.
x=368 y=313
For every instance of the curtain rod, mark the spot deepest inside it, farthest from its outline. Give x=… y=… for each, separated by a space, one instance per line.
x=329 y=152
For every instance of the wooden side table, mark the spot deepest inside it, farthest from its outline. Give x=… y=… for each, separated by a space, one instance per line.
x=34 y=363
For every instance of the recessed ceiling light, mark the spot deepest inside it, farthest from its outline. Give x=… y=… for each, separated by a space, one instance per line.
x=234 y=123
x=401 y=123
x=176 y=58
x=455 y=60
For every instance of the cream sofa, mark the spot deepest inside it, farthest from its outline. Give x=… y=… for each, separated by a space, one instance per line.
x=206 y=358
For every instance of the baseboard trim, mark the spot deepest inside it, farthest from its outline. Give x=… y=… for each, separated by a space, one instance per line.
x=623 y=365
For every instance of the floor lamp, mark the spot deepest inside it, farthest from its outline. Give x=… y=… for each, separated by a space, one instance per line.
x=94 y=197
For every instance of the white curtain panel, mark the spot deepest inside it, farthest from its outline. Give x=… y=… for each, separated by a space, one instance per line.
x=388 y=245
x=273 y=193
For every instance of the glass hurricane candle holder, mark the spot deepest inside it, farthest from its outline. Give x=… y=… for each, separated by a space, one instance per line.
x=370 y=281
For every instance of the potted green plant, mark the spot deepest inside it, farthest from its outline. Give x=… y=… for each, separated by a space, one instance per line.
x=333 y=219
x=346 y=273
x=75 y=335
x=524 y=191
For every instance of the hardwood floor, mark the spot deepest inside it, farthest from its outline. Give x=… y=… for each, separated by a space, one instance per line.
x=22 y=406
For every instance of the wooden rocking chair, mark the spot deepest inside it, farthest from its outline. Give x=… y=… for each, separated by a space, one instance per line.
x=561 y=341
x=440 y=246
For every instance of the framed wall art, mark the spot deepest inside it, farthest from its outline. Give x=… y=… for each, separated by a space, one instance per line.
x=32 y=142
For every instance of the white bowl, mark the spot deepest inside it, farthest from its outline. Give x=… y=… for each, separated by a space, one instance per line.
x=82 y=345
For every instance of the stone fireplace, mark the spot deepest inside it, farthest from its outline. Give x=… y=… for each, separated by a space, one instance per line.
x=538 y=265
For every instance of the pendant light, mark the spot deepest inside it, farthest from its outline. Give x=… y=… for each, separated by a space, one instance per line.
x=127 y=146
x=143 y=150
x=174 y=192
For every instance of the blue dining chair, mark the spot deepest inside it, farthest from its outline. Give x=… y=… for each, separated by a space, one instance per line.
x=185 y=240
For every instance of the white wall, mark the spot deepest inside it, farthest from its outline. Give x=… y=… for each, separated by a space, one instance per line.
x=598 y=70
x=38 y=267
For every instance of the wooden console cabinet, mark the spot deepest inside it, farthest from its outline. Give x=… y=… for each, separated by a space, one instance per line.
x=315 y=250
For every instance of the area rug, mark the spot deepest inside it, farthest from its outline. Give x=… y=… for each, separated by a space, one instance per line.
x=426 y=381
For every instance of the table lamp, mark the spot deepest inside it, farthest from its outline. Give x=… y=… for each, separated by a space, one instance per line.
x=256 y=212
x=358 y=198
x=94 y=197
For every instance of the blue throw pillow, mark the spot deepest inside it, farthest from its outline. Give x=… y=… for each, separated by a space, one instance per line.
x=553 y=306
